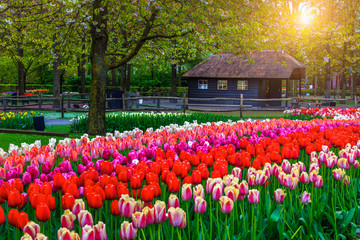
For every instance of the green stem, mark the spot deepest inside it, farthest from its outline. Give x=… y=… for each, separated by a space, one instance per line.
x=197 y=225
x=159 y=232
x=179 y=233
x=188 y=219
x=211 y=223
x=172 y=232
x=143 y=233
x=334 y=210
x=202 y=227
x=217 y=218
x=253 y=221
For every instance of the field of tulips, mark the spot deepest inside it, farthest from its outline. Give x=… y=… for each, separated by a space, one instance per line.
x=277 y=179
x=333 y=113
x=18 y=120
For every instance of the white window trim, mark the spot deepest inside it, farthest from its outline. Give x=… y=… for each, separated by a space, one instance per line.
x=247 y=85
x=222 y=85
x=207 y=84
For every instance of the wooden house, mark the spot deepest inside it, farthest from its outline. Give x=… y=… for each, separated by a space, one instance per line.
x=258 y=75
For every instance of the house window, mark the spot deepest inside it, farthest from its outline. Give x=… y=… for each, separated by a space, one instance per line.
x=222 y=84
x=242 y=85
x=202 y=84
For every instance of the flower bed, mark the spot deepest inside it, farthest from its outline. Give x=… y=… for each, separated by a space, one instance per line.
x=335 y=113
x=143 y=121
x=18 y=120
x=254 y=180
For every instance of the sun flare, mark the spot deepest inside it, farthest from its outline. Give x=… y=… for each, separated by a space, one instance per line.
x=305 y=19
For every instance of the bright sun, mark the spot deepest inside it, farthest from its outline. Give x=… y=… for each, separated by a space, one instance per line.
x=305 y=19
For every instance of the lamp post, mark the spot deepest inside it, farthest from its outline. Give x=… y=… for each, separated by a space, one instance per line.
x=328 y=76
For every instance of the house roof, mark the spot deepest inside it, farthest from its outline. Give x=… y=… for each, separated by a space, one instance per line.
x=259 y=65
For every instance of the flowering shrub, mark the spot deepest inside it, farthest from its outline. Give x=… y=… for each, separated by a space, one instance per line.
x=336 y=113
x=143 y=121
x=18 y=120
x=254 y=180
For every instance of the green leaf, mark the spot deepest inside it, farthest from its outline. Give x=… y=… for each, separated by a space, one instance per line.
x=348 y=217
x=275 y=215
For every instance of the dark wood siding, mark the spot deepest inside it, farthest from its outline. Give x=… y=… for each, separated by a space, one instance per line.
x=255 y=90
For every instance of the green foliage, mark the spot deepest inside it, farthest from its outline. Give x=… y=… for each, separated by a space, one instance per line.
x=129 y=121
x=18 y=120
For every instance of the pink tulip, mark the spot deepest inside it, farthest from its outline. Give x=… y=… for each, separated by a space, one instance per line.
x=236 y=172
x=78 y=206
x=32 y=229
x=87 y=233
x=186 y=193
x=338 y=173
x=346 y=180
x=173 y=201
x=279 y=195
x=226 y=204
x=232 y=193
x=254 y=196
x=319 y=182
x=304 y=178
x=149 y=215
x=85 y=218
x=260 y=178
x=160 y=211
x=128 y=207
x=286 y=166
x=100 y=231
x=26 y=236
x=139 y=220
x=41 y=236
x=251 y=178
x=244 y=188
x=127 y=231
x=67 y=219
x=200 y=205
x=64 y=234
x=198 y=191
x=217 y=192
x=305 y=198
x=177 y=217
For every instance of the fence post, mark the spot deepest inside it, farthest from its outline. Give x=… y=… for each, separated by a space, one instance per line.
x=298 y=102
x=5 y=101
x=355 y=99
x=68 y=99
x=241 y=105
x=184 y=103
x=40 y=100
x=62 y=105
x=158 y=103
x=123 y=102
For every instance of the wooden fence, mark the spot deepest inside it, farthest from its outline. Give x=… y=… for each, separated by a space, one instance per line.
x=76 y=102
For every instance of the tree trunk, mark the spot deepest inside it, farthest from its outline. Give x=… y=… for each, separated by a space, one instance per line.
x=81 y=70
x=179 y=75
x=99 y=37
x=21 y=72
x=113 y=75
x=173 y=92
x=123 y=78
x=128 y=78
x=56 y=82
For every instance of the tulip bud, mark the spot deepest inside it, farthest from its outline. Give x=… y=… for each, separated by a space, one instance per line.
x=217 y=192
x=177 y=217
x=139 y=220
x=78 y=206
x=244 y=188
x=254 y=196
x=173 y=201
x=26 y=236
x=226 y=204
x=67 y=219
x=186 y=193
x=128 y=207
x=305 y=198
x=279 y=195
x=232 y=193
x=160 y=211
x=236 y=172
x=200 y=205
x=100 y=231
x=319 y=182
x=127 y=231
x=338 y=173
x=85 y=218
x=198 y=191
x=304 y=178
x=63 y=234
x=87 y=233
x=149 y=215
x=346 y=180
x=32 y=229
x=41 y=236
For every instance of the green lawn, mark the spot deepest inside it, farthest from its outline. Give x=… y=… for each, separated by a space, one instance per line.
x=7 y=138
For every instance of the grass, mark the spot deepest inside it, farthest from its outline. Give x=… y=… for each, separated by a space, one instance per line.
x=7 y=138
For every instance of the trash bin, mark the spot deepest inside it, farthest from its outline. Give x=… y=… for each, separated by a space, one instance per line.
x=333 y=104
x=14 y=101
x=114 y=93
x=39 y=123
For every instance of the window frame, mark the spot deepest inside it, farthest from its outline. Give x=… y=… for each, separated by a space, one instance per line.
x=222 y=85
x=242 y=89
x=203 y=84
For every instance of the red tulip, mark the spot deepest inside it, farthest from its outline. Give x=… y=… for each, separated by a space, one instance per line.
x=15 y=198
x=135 y=181
x=2 y=216
x=13 y=217
x=114 y=210
x=59 y=180
x=94 y=200
x=22 y=220
x=43 y=212
x=110 y=192
x=68 y=201
x=147 y=194
x=174 y=184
